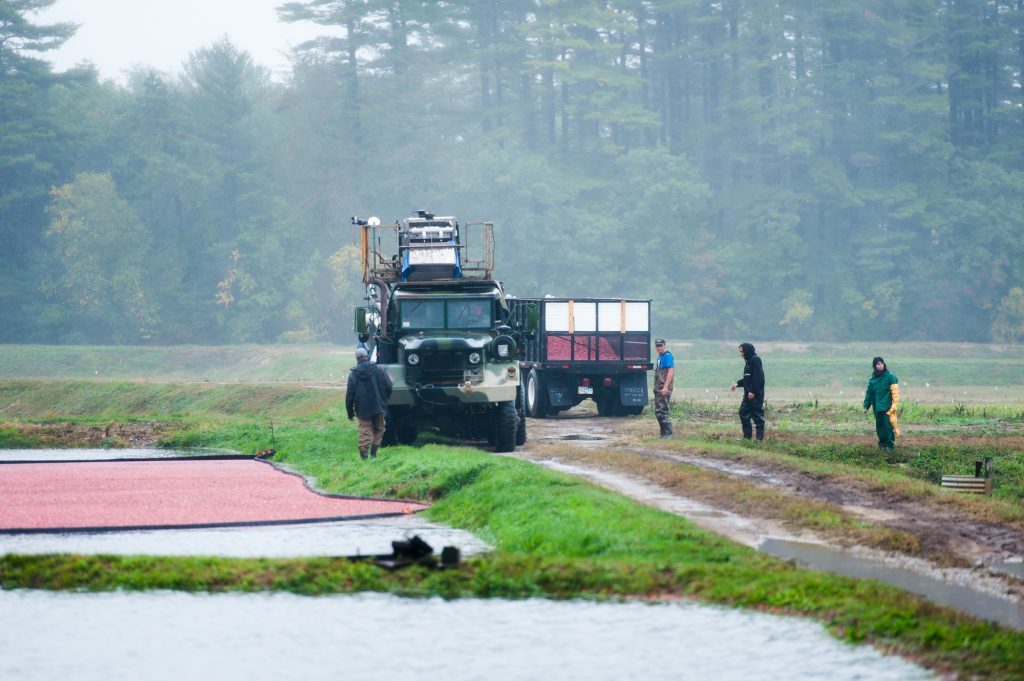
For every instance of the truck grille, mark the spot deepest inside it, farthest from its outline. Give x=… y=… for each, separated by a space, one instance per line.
x=445 y=366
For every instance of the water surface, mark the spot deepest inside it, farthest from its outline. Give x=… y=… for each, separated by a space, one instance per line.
x=175 y=636
x=112 y=454
x=344 y=538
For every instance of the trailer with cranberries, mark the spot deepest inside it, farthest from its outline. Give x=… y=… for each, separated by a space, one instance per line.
x=583 y=348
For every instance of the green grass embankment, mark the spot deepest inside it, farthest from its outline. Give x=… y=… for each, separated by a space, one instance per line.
x=98 y=401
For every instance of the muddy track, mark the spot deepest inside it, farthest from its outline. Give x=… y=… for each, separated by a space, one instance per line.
x=948 y=537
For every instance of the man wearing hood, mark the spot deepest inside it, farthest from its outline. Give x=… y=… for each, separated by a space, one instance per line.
x=752 y=383
x=366 y=396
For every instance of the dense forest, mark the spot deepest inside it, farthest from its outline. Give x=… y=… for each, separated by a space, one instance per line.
x=792 y=169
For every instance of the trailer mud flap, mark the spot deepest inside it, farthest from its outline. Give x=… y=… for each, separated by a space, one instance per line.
x=559 y=395
x=633 y=389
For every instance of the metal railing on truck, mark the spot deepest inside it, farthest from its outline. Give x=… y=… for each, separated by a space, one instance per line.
x=586 y=330
x=383 y=249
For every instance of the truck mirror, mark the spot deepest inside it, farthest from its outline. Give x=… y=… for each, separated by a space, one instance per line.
x=361 y=325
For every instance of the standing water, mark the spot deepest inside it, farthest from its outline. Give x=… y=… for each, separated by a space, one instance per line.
x=174 y=636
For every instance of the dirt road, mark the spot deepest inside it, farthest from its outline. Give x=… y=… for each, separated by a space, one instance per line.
x=933 y=536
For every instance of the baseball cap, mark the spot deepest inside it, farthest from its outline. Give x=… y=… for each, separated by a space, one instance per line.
x=659 y=341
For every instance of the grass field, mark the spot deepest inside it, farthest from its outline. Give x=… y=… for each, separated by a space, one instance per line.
x=929 y=372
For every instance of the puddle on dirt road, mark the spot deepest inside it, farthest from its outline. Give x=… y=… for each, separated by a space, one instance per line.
x=959 y=597
x=173 y=636
x=65 y=455
x=345 y=538
x=1014 y=569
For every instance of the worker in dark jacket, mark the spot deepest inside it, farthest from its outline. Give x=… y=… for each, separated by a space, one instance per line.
x=752 y=383
x=883 y=397
x=366 y=396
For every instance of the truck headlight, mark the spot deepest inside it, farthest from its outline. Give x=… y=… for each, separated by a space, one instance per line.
x=413 y=359
x=474 y=358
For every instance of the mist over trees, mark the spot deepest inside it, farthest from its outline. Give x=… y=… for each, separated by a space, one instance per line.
x=787 y=169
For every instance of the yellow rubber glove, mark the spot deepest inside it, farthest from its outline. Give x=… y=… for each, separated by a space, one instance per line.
x=894 y=389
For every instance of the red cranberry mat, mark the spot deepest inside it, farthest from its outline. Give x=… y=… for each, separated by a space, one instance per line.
x=167 y=494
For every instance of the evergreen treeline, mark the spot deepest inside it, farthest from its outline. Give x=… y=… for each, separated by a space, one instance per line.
x=851 y=169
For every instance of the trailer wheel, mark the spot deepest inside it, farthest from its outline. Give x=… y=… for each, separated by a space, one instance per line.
x=536 y=396
x=506 y=424
x=520 y=416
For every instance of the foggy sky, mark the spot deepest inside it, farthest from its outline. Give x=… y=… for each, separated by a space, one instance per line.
x=118 y=34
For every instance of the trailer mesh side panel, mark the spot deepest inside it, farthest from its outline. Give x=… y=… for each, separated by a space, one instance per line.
x=635 y=347
x=559 y=348
x=608 y=349
x=584 y=348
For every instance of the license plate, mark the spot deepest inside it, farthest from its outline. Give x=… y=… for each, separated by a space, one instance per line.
x=585 y=390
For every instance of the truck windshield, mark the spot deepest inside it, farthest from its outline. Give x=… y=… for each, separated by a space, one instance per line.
x=473 y=313
x=469 y=314
x=423 y=314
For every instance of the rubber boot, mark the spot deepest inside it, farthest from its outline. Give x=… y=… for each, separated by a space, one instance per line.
x=373 y=451
x=362 y=453
x=760 y=433
x=748 y=431
x=667 y=429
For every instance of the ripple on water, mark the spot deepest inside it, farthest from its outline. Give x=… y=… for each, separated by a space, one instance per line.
x=112 y=636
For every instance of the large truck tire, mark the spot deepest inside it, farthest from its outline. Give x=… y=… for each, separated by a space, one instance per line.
x=520 y=416
x=635 y=410
x=506 y=424
x=406 y=428
x=536 y=396
x=390 y=438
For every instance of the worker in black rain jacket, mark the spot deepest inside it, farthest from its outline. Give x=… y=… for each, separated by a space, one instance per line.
x=366 y=396
x=752 y=383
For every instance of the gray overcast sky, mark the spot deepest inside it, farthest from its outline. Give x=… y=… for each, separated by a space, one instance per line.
x=118 y=34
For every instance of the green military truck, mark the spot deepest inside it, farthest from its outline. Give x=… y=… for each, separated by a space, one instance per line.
x=437 y=323
x=584 y=348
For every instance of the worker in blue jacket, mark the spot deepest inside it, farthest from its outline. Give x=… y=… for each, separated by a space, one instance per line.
x=664 y=375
